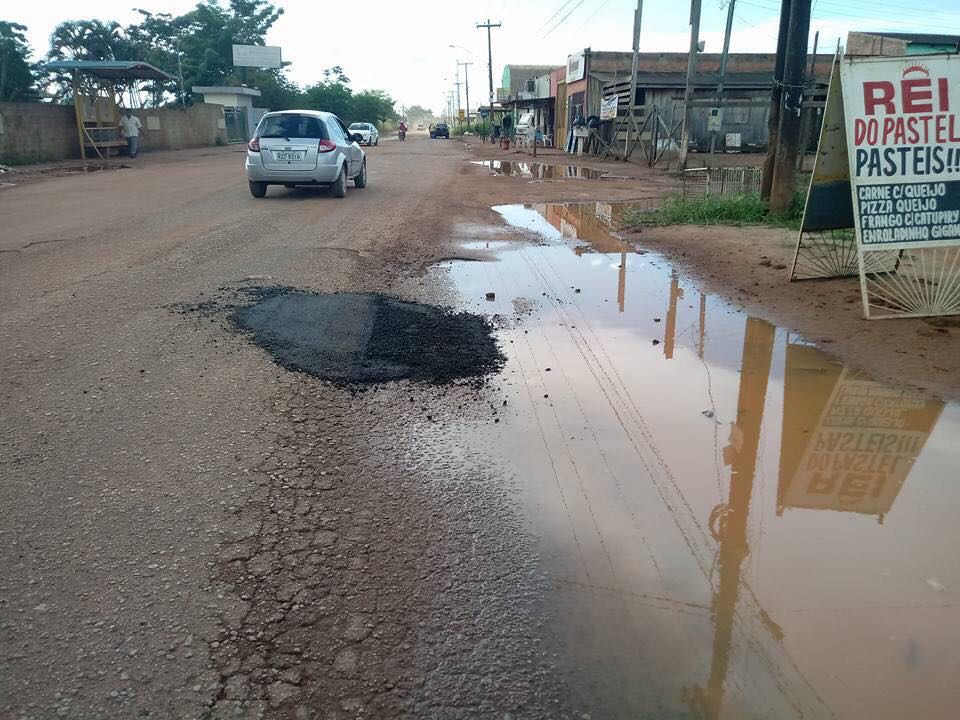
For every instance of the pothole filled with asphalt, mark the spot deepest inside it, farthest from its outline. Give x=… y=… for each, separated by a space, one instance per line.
x=352 y=338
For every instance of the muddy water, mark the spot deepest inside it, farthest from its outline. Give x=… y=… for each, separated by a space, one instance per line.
x=733 y=524
x=538 y=170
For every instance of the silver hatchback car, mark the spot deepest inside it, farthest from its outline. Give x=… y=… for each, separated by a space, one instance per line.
x=304 y=147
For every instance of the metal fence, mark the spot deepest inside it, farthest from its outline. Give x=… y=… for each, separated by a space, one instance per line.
x=721 y=182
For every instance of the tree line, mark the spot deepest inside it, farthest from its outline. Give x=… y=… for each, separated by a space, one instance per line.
x=196 y=46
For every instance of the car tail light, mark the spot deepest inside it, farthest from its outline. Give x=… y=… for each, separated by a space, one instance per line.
x=326 y=146
x=254 y=145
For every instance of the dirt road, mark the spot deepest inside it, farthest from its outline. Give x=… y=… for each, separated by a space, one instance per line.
x=189 y=531
x=658 y=507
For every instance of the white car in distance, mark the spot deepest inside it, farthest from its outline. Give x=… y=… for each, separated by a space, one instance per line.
x=368 y=131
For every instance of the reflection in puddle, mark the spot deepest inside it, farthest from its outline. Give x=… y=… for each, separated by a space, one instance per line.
x=677 y=489
x=848 y=442
x=538 y=170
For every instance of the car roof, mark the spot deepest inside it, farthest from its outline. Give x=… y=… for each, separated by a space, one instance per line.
x=315 y=113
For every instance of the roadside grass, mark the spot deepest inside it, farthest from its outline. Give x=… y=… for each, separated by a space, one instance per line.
x=737 y=210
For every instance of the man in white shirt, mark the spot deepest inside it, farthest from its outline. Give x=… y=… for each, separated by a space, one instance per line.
x=130 y=129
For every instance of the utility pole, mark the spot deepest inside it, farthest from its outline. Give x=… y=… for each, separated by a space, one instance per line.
x=466 y=85
x=776 y=96
x=805 y=123
x=635 y=68
x=457 y=83
x=723 y=70
x=489 y=25
x=183 y=97
x=788 y=138
x=691 y=71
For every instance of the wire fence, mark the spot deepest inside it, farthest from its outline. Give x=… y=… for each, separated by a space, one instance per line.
x=721 y=182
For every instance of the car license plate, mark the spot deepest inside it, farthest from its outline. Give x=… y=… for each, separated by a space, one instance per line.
x=288 y=156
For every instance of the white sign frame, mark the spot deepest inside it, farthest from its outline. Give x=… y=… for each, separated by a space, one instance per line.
x=258 y=56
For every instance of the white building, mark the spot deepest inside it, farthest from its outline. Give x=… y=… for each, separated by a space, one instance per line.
x=239 y=113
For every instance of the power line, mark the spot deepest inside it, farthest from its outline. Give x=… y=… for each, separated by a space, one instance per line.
x=595 y=13
x=556 y=12
x=563 y=19
x=899 y=19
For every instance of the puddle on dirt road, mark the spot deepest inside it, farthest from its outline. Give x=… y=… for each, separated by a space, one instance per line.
x=538 y=170
x=733 y=524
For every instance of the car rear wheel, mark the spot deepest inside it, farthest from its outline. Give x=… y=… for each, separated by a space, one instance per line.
x=339 y=189
x=360 y=181
x=258 y=189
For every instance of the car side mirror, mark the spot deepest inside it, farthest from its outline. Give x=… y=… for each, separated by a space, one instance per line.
x=357 y=137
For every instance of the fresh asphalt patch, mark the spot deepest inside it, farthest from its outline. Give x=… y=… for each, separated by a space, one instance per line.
x=353 y=338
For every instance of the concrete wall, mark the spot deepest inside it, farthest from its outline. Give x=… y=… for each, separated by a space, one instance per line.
x=38 y=132
x=177 y=128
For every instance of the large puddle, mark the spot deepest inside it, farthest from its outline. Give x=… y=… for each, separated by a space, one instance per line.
x=538 y=170
x=734 y=525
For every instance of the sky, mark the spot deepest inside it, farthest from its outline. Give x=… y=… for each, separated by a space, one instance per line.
x=403 y=47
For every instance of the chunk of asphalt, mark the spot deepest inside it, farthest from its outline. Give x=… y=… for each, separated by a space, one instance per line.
x=351 y=338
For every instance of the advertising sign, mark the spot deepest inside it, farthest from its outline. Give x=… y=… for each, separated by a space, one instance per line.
x=715 y=120
x=884 y=197
x=608 y=107
x=903 y=131
x=259 y=56
x=576 y=67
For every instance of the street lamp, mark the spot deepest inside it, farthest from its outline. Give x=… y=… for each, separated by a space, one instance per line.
x=461 y=47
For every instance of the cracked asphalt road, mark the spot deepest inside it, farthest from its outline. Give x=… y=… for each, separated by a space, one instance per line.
x=190 y=531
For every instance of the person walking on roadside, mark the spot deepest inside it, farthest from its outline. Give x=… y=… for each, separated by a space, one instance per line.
x=130 y=129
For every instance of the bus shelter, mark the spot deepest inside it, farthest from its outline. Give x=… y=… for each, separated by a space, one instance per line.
x=99 y=87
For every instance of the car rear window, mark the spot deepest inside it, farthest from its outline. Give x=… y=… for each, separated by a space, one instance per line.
x=293 y=126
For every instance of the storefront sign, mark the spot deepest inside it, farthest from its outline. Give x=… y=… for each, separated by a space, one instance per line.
x=608 y=107
x=576 y=67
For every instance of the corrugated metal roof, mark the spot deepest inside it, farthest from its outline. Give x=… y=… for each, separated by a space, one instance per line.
x=112 y=69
